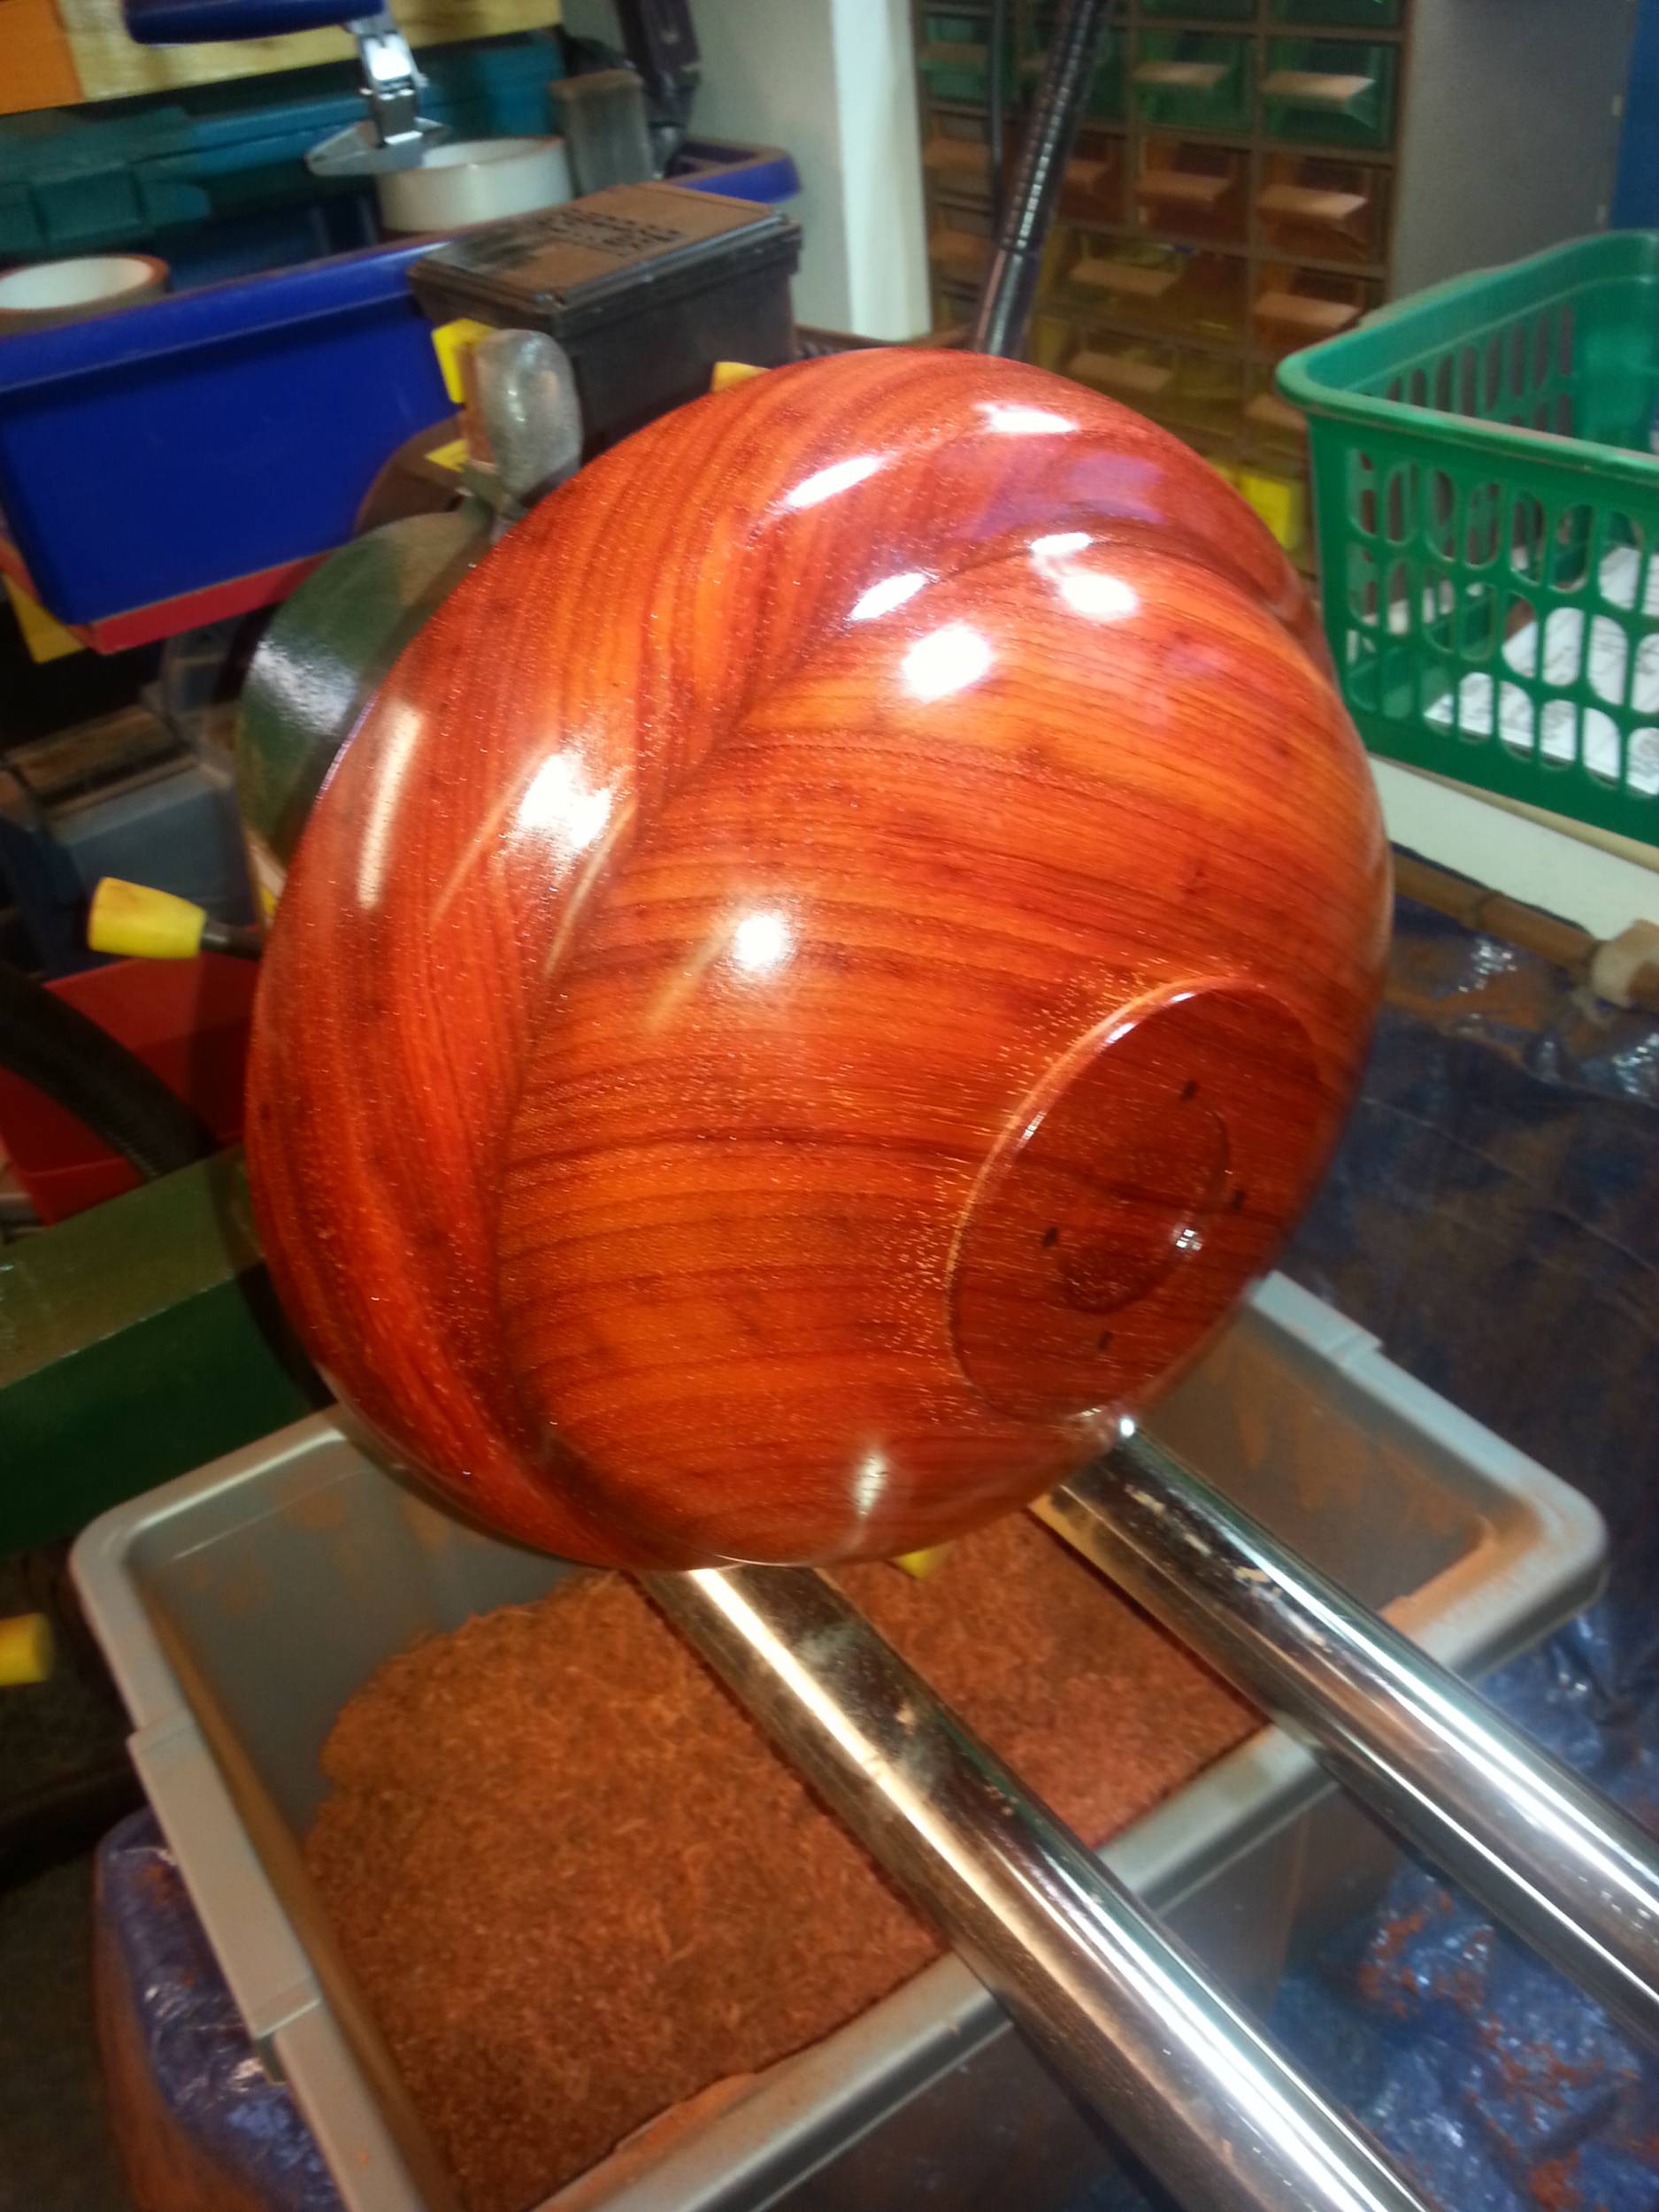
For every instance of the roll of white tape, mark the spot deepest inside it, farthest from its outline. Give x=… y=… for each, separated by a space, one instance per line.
x=65 y=291
x=475 y=181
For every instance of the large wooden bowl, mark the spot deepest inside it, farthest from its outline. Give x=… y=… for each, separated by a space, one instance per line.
x=826 y=969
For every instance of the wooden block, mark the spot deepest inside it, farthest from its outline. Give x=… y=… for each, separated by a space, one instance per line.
x=959 y=248
x=1183 y=186
x=110 y=66
x=1551 y=939
x=1087 y=176
x=1268 y=412
x=1303 y=203
x=1126 y=278
x=1316 y=88
x=957 y=156
x=1299 y=311
x=1182 y=76
x=1118 y=373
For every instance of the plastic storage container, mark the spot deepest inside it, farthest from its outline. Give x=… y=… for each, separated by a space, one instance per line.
x=1130 y=282
x=1315 y=209
x=955 y=156
x=1488 y=505
x=735 y=170
x=168 y=447
x=1202 y=11
x=241 y=1607
x=955 y=59
x=1293 y=306
x=952 y=302
x=1105 y=102
x=1336 y=92
x=1092 y=187
x=1369 y=14
x=960 y=242
x=1127 y=369
x=1193 y=188
x=1193 y=80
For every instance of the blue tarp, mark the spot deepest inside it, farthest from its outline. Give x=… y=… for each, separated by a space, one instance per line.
x=164 y=1999
x=1494 y=1217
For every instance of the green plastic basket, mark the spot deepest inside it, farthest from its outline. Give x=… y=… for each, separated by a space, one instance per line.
x=1487 y=500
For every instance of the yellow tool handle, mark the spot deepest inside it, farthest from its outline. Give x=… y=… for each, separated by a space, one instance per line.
x=144 y=924
x=26 y=1649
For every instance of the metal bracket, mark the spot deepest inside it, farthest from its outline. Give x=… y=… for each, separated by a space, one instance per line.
x=395 y=133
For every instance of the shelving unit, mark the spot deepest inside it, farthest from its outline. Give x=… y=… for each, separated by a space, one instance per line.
x=1238 y=185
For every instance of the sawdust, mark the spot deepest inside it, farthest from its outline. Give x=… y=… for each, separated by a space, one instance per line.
x=577 y=1888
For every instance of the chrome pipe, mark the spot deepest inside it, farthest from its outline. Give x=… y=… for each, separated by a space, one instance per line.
x=1003 y=318
x=1550 y=1856
x=1118 y=2007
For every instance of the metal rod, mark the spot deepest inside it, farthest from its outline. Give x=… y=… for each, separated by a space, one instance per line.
x=242 y=944
x=1121 y=2009
x=1550 y=1856
x=1010 y=290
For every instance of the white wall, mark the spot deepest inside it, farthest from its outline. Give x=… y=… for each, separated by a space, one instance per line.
x=880 y=169
x=1603 y=886
x=831 y=80
x=1511 y=130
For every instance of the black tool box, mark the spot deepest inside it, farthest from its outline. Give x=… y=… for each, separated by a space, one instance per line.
x=645 y=286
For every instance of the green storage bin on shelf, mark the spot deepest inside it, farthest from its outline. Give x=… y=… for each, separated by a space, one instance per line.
x=955 y=59
x=1217 y=11
x=1487 y=503
x=1380 y=15
x=1329 y=91
x=1193 y=80
x=1106 y=92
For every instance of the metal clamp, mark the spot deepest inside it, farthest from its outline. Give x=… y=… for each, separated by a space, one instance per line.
x=395 y=133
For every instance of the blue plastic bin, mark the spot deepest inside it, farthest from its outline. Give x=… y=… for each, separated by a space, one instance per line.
x=740 y=172
x=180 y=444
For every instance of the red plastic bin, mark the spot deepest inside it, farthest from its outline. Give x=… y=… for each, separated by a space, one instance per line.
x=187 y=1020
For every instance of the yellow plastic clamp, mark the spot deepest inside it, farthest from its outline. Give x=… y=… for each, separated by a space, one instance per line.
x=43 y=633
x=130 y=919
x=452 y=342
x=1282 y=504
x=922 y=1564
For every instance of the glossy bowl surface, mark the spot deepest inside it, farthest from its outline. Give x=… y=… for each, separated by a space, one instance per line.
x=826 y=967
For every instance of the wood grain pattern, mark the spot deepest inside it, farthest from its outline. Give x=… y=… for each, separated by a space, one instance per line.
x=826 y=967
x=37 y=69
x=112 y=65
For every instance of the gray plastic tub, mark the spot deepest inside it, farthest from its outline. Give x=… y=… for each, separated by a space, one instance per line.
x=242 y=1606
